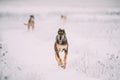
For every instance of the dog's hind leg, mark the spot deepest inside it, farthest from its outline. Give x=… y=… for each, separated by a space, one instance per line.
x=28 y=27
x=33 y=26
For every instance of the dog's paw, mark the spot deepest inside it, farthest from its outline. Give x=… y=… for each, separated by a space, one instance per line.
x=63 y=66
x=60 y=64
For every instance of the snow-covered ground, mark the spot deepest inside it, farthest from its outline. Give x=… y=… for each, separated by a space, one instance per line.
x=93 y=36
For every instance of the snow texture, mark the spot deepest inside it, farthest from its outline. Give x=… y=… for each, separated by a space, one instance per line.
x=93 y=37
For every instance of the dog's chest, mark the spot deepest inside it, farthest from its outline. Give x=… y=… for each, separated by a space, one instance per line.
x=61 y=47
x=31 y=20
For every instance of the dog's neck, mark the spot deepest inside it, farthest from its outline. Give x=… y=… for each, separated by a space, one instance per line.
x=31 y=19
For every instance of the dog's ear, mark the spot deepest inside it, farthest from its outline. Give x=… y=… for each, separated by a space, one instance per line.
x=32 y=16
x=59 y=30
x=63 y=30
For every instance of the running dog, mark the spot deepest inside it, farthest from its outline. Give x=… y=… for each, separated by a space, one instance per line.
x=63 y=19
x=30 y=22
x=61 y=44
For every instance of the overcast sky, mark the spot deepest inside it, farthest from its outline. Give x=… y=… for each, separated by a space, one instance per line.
x=80 y=3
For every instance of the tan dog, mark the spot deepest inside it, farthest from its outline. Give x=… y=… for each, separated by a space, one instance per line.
x=63 y=19
x=61 y=45
x=30 y=23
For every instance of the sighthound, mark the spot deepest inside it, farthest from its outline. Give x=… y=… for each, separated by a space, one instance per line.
x=61 y=44
x=30 y=23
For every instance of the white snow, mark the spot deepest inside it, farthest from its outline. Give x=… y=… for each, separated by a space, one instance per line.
x=93 y=37
x=31 y=56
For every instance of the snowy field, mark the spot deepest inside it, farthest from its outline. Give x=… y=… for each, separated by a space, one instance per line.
x=93 y=37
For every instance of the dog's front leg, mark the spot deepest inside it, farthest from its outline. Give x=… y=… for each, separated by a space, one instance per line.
x=65 y=57
x=57 y=54
x=58 y=59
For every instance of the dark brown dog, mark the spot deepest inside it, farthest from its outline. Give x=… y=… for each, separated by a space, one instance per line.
x=61 y=44
x=30 y=22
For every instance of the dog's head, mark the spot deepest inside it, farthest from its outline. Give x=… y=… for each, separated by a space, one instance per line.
x=61 y=37
x=31 y=16
x=63 y=17
x=61 y=32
